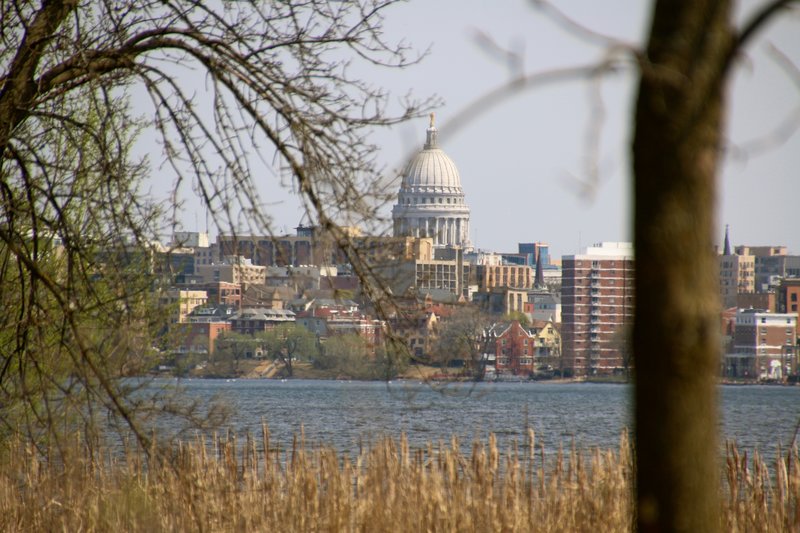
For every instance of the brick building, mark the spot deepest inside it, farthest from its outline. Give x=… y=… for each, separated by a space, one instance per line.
x=515 y=347
x=597 y=309
x=254 y=320
x=788 y=297
x=198 y=337
x=764 y=345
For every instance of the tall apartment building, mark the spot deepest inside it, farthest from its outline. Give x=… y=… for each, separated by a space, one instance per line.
x=597 y=309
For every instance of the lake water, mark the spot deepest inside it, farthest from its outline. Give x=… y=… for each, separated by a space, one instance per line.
x=344 y=414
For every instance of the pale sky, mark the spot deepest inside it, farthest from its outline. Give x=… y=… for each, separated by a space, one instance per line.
x=522 y=161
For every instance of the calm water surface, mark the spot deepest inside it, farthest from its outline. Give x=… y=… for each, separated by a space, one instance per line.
x=344 y=414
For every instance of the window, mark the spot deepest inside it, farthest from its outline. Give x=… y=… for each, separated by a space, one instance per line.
x=794 y=297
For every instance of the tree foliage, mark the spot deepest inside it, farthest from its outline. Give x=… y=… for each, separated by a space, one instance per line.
x=345 y=354
x=75 y=224
x=288 y=343
x=462 y=338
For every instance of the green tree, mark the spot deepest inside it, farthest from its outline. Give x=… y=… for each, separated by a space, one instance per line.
x=232 y=347
x=346 y=355
x=75 y=228
x=289 y=343
x=461 y=337
x=520 y=317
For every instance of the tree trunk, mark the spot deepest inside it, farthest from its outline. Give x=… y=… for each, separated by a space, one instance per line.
x=676 y=148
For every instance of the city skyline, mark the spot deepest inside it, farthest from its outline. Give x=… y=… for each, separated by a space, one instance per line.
x=522 y=159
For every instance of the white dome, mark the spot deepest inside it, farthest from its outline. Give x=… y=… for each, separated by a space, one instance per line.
x=432 y=170
x=430 y=202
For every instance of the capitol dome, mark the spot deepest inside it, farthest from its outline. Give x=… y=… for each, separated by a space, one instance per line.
x=430 y=202
x=432 y=169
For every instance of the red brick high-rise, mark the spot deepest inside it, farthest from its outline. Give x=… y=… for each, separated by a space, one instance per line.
x=597 y=309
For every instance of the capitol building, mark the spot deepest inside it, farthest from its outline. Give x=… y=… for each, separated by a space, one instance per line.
x=431 y=201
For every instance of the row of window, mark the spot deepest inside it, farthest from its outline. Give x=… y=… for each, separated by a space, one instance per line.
x=523 y=361
x=430 y=200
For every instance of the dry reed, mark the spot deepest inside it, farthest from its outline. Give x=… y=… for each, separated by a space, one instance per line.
x=220 y=484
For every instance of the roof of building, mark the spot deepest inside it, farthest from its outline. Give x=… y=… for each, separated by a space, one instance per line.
x=432 y=169
x=261 y=313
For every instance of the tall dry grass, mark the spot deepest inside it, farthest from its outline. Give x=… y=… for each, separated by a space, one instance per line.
x=224 y=485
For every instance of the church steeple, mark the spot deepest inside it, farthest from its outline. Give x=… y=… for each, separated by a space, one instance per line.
x=726 y=248
x=539 y=280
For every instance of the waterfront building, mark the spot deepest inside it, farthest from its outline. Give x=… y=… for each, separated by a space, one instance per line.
x=254 y=320
x=764 y=345
x=431 y=202
x=597 y=309
x=198 y=337
x=788 y=296
x=514 y=349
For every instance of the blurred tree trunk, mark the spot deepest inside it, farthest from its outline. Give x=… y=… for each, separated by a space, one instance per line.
x=676 y=149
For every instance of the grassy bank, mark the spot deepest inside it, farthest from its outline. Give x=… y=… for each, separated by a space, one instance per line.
x=225 y=485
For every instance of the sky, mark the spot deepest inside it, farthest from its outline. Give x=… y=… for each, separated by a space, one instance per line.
x=524 y=159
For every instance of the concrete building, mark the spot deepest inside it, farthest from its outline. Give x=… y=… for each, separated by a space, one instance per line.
x=772 y=263
x=431 y=202
x=764 y=345
x=501 y=300
x=514 y=276
x=543 y=305
x=788 y=297
x=597 y=309
x=737 y=273
x=234 y=269
x=182 y=302
x=309 y=245
x=190 y=239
